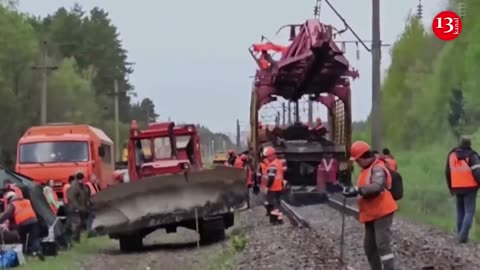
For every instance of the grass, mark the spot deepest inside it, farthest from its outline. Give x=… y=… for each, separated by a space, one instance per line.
x=224 y=260
x=69 y=260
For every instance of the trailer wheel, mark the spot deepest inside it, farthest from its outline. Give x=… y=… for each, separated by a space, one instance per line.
x=212 y=231
x=130 y=243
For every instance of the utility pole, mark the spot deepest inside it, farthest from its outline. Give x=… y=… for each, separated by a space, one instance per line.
x=44 y=67
x=117 y=120
x=377 y=120
x=375 y=50
x=238 y=135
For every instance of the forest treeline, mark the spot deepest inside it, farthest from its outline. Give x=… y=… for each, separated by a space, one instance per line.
x=431 y=89
x=86 y=52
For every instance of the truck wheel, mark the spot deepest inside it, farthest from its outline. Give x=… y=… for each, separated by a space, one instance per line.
x=212 y=231
x=130 y=243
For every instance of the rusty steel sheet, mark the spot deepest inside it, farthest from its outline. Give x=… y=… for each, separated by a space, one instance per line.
x=168 y=199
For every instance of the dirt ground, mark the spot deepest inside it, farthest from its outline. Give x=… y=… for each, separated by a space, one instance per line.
x=162 y=251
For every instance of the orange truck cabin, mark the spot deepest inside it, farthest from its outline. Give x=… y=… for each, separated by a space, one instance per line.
x=56 y=151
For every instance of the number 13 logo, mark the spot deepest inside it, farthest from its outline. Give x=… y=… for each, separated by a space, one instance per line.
x=447 y=25
x=446 y=22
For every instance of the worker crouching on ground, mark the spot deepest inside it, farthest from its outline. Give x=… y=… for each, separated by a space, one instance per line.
x=20 y=212
x=463 y=175
x=77 y=206
x=376 y=206
x=275 y=184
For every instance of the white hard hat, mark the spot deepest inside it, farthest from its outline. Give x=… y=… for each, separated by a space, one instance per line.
x=11 y=195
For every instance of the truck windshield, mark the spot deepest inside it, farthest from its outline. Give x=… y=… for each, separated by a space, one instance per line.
x=163 y=149
x=53 y=152
x=182 y=141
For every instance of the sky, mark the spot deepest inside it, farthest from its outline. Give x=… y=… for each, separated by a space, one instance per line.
x=191 y=56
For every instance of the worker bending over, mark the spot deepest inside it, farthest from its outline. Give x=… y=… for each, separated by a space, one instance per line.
x=376 y=205
x=275 y=184
x=20 y=212
x=463 y=175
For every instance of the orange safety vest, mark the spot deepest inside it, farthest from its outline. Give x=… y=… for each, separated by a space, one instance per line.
x=263 y=172
x=238 y=163
x=391 y=163
x=64 y=192
x=23 y=211
x=264 y=64
x=374 y=208
x=460 y=173
x=92 y=189
x=278 y=180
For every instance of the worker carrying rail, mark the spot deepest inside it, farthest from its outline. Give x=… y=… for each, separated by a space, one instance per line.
x=376 y=205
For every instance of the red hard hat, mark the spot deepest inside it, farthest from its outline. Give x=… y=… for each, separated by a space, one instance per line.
x=243 y=157
x=357 y=149
x=268 y=151
x=231 y=151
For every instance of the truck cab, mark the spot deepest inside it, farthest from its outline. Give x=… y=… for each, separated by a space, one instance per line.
x=163 y=148
x=56 y=151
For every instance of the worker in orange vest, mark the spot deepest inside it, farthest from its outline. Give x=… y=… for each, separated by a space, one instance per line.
x=232 y=156
x=376 y=205
x=262 y=179
x=91 y=190
x=463 y=177
x=20 y=212
x=66 y=187
x=51 y=196
x=275 y=184
x=265 y=60
x=8 y=185
x=240 y=161
x=389 y=159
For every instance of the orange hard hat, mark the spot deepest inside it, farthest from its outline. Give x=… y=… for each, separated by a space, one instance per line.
x=268 y=151
x=357 y=149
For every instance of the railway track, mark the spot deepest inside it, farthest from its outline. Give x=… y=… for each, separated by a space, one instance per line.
x=297 y=220
x=343 y=205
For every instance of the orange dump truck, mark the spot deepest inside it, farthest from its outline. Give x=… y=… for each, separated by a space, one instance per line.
x=56 y=151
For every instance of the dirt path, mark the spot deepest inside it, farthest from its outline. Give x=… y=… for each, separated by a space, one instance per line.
x=162 y=251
